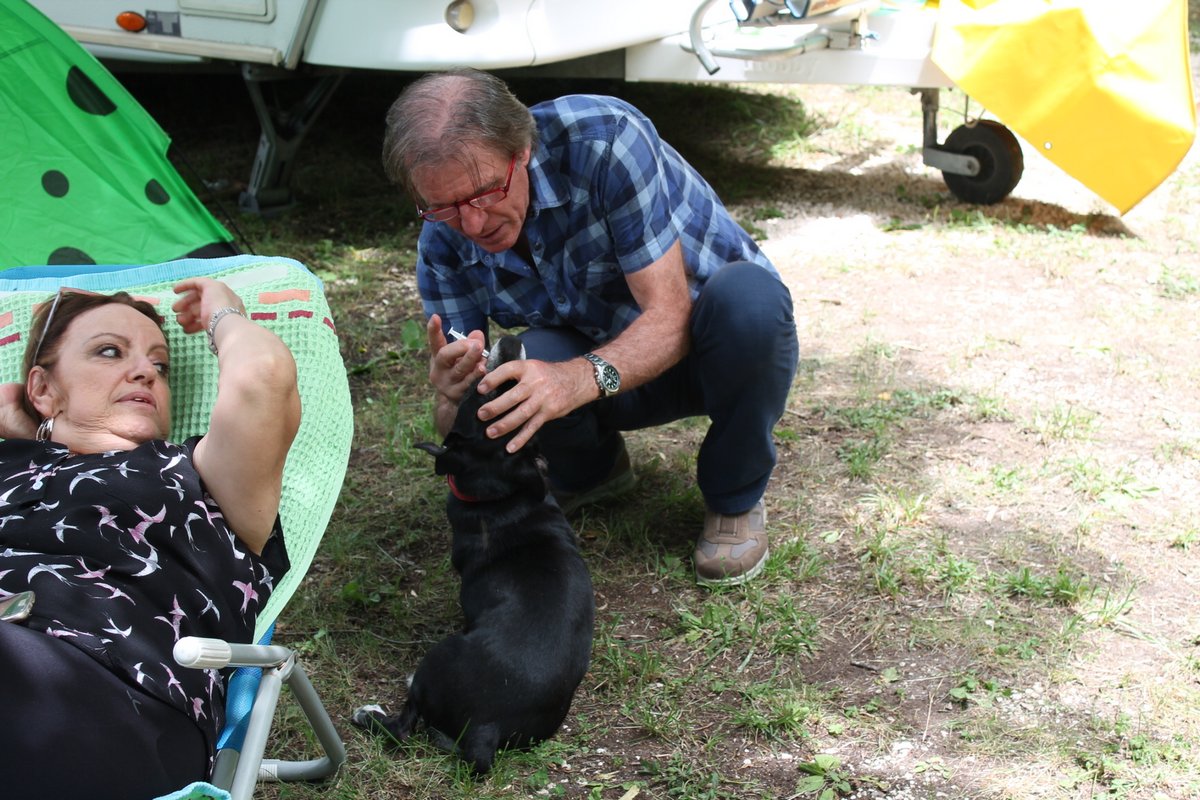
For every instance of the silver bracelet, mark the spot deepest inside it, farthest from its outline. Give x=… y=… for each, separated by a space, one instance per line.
x=217 y=316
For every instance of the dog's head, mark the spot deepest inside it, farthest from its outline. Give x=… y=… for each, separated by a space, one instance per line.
x=479 y=468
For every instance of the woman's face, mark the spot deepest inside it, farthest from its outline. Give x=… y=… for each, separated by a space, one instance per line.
x=495 y=228
x=107 y=388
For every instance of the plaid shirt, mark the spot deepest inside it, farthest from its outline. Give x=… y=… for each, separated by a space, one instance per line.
x=608 y=197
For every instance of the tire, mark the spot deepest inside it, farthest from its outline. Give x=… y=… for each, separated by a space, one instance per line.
x=1000 y=162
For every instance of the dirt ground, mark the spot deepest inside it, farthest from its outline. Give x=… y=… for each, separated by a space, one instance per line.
x=1067 y=337
x=1075 y=318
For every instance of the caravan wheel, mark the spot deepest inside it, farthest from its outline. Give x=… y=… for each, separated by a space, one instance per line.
x=1000 y=162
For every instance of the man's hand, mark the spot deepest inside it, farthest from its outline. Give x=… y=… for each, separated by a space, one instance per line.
x=545 y=391
x=453 y=366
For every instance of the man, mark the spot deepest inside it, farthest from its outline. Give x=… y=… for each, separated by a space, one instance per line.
x=642 y=300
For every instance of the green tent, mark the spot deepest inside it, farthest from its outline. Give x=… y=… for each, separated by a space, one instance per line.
x=84 y=176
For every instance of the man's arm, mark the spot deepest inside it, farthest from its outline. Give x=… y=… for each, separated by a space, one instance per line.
x=652 y=343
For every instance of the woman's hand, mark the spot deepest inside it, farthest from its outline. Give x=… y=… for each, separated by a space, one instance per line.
x=199 y=299
x=14 y=422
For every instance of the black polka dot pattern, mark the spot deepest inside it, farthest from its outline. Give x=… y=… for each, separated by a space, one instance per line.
x=69 y=255
x=85 y=94
x=55 y=183
x=94 y=185
x=156 y=194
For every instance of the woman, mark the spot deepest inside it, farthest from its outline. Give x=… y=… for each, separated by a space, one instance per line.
x=130 y=542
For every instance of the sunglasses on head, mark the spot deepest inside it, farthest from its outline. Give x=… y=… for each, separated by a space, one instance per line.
x=62 y=291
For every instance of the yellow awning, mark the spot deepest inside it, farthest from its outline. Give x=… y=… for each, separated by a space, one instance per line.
x=1102 y=88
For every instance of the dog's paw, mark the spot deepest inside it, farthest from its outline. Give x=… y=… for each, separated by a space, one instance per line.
x=368 y=716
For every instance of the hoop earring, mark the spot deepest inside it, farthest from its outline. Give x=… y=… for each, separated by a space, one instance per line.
x=44 y=430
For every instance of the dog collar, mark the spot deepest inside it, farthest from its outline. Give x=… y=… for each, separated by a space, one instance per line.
x=466 y=498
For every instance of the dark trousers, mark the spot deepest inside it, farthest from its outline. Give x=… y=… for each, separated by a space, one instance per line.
x=738 y=371
x=71 y=728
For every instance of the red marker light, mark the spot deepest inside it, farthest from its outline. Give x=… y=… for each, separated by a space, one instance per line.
x=131 y=21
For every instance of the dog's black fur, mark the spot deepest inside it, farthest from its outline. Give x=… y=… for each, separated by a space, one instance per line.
x=508 y=678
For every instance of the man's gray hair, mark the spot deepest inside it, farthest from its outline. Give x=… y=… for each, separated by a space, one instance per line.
x=440 y=116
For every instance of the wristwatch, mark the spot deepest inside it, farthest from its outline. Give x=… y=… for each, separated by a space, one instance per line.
x=607 y=377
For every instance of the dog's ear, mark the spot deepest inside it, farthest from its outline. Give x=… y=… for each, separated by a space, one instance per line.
x=508 y=348
x=430 y=447
x=450 y=458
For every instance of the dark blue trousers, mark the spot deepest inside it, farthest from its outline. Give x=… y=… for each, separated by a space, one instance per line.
x=72 y=728
x=738 y=371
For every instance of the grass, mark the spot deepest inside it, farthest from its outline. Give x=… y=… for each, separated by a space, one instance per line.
x=955 y=597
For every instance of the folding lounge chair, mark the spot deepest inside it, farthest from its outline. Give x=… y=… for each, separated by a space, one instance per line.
x=282 y=295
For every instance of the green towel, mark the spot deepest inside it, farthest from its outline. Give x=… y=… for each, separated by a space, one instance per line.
x=198 y=791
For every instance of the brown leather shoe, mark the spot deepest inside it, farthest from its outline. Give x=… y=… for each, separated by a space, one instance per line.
x=732 y=548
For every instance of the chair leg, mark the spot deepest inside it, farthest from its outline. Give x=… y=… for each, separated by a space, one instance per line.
x=255 y=743
x=323 y=727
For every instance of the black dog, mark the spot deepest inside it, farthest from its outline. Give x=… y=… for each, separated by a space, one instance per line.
x=508 y=678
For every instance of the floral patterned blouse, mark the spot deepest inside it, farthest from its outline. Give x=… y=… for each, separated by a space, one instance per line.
x=126 y=552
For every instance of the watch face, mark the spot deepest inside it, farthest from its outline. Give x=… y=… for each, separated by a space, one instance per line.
x=609 y=379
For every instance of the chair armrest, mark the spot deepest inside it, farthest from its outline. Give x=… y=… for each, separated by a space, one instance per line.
x=200 y=653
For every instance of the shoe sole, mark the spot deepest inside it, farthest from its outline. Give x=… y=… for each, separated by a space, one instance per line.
x=736 y=580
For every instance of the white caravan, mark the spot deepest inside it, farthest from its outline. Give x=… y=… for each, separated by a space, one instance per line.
x=773 y=41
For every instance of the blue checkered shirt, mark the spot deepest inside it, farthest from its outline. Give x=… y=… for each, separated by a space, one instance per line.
x=608 y=197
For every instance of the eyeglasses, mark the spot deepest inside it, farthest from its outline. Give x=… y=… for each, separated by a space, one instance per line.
x=482 y=200
x=50 y=318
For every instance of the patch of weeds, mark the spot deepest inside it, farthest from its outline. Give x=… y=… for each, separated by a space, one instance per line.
x=1064 y=422
x=949 y=573
x=766 y=213
x=756 y=233
x=1024 y=650
x=825 y=779
x=1074 y=231
x=872 y=363
x=775 y=712
x=792 y=560
x=934 y=766
x=789 y=630
x=881 y=556
x=988 y=408
x=749 y=623
x=1177 y=283
x=1007 y=479
x=354 y=593
x=1178 y=450
x=1062 y=589
x=1186 y=538
x=405 y=422
x=980 y=691
x=896 y=224
x=969 y=218
x=896 y=506
x=860 y=457
x=679 y=777
x=1102 y=611
x=663 y=717
x=1089 y=478
x=623 y=667
x=717 y=624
